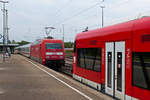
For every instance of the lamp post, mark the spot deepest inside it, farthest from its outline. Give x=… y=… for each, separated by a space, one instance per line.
x=102 y=7
x=7 y=28
x=4 y=27
x=63 y=33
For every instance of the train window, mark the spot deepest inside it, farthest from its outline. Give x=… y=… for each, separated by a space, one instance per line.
x=89 y=58
x=119 y=71
x=109 y=69
x=74 y=47
x=97 y=60
x=40 y=46
x=80 y=58
x=141 y=70
x=53 y=46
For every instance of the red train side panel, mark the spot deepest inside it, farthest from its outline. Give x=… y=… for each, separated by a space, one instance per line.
x=122 y=53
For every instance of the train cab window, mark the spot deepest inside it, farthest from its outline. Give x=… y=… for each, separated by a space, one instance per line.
x=141 y=69
x=89 y=58
x=53 y=46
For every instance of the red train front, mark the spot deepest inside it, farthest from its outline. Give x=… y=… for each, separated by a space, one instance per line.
x=48 y=52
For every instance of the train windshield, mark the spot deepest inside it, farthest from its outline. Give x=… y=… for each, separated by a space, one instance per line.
x=53 y=46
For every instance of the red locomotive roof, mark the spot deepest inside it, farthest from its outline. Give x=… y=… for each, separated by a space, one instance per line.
x=116 y=32
x=52 y=40
x=39 y=41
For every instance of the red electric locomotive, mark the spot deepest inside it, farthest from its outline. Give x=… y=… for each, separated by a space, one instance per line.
x=115 y=59
x=48 y=52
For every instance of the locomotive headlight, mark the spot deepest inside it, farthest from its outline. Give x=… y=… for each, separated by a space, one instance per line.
x=74 y=59
x=49 y=53
x=59 y=53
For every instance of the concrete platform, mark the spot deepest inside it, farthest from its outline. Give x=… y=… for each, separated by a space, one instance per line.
x=23 y=79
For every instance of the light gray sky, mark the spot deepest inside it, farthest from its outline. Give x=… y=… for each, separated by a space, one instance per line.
x=27 y=18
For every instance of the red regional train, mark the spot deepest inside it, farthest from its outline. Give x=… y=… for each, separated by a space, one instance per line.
x=115 y=59
x=46 y=51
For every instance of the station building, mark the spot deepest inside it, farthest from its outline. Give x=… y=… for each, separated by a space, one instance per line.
x=9 y=47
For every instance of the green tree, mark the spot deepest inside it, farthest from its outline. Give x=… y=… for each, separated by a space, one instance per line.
x=9 y=42
x=68 y=44
x=23 y=42
x=13 y=42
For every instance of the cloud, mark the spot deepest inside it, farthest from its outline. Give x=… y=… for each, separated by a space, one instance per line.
x=27 y=18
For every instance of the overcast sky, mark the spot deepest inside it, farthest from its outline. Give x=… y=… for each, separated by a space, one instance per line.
x=27 y=18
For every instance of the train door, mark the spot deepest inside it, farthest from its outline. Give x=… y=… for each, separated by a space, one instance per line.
x=109 y=65
x=115 y=69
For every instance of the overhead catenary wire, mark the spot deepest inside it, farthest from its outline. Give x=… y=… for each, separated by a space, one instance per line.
x=112 y=7
x=78 y=13
x=62 y=7
x=85 y=10
x=59 y=11
x=119 y=4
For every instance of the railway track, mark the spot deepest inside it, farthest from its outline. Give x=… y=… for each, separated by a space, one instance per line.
x=67 y=69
